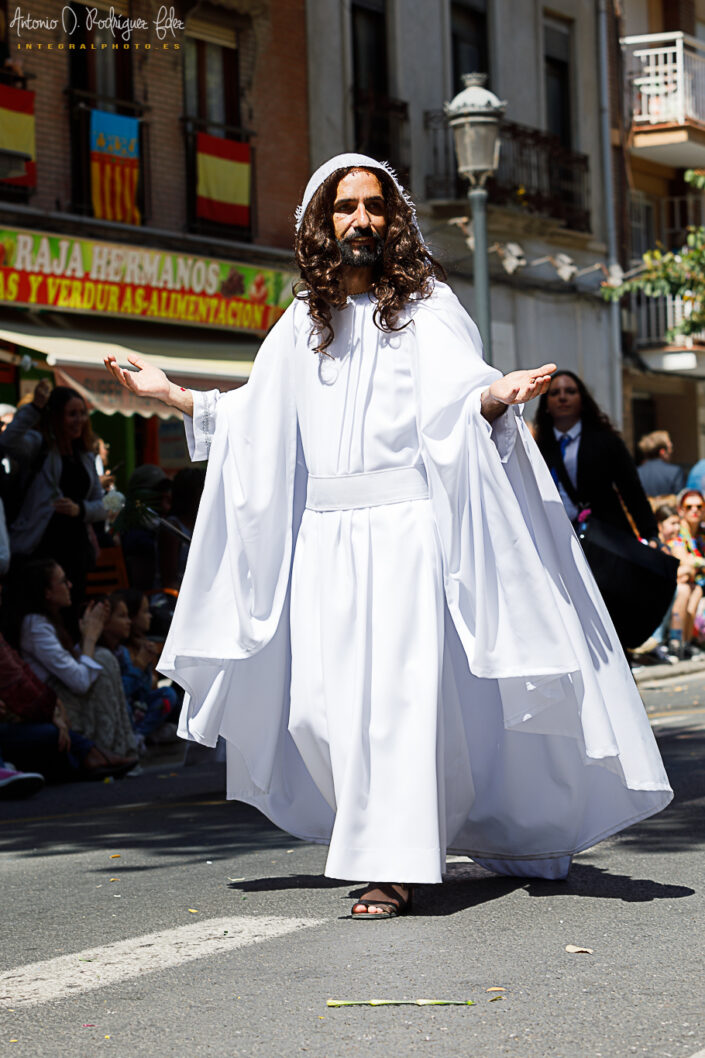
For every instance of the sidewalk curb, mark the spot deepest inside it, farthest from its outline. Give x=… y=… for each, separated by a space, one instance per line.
x=657 y=673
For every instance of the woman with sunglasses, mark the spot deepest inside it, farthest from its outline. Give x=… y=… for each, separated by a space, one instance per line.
x=691 y=509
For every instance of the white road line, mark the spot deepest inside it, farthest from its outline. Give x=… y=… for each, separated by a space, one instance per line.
x=68 y=975
x=700 y=1054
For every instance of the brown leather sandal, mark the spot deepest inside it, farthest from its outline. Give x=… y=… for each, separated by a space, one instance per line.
x=393 y=903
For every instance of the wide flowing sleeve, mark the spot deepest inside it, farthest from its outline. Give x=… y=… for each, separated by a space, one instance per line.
x=495 y=580
x=237 y=572
x=518 y=587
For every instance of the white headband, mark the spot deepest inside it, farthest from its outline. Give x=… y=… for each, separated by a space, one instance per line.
x=347 y=161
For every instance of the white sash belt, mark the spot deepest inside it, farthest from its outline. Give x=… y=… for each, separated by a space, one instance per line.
x=348 y=491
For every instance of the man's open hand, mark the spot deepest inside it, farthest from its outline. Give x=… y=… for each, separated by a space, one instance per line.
x=150 y=381
x=518 y=387
x=515 y=388
x=146 y=381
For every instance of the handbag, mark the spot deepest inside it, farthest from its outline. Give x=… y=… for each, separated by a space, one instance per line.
x=637 y=582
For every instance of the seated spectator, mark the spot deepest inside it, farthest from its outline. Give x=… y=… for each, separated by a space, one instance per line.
x=187 y=487
x=86 y=677
x=688 y=592
x=691 y=509
x=35 y=731
x=52 y=440
x=126 y=634
x=16 y=784
x=658 y=475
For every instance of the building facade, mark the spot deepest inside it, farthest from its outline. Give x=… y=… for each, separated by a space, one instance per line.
x=150 y=160
x=379 y=74
x=662 y=90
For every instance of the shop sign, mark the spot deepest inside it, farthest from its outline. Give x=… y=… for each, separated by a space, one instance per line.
x=111 y=279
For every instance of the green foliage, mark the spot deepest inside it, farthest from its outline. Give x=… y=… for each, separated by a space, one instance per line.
x=679 y=273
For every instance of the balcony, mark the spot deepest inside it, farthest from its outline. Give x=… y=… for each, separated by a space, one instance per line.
x=536 y=174
x=238 y=223
x=81 y=103
x=18 y=171
x=665 y=86
x=653 y=317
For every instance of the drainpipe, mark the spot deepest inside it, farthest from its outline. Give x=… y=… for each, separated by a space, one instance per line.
x=615 y=341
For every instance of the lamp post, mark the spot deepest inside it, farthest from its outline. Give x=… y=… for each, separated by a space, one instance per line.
x=474 y=118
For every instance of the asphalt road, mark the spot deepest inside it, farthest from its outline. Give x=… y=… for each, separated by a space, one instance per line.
x=169 y=922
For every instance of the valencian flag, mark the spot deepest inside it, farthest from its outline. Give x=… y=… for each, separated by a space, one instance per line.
x=224 y=176
x=17 y=132
x=115 y=167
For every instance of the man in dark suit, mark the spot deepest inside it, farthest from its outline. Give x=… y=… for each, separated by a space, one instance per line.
x=657 y=474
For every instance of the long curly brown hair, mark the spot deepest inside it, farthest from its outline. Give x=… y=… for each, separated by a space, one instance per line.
x=407 y=267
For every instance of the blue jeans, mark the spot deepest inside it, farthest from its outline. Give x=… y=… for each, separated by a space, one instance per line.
x=161 y=703
x=35 y=747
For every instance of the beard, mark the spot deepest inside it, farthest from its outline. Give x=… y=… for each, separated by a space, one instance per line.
x=361 y=256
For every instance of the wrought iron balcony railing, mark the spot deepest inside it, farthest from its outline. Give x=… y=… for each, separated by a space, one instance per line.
x=81 y=103
x=536 y=174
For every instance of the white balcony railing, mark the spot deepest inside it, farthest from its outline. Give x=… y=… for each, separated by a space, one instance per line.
x=666 y=78
x=654 y=317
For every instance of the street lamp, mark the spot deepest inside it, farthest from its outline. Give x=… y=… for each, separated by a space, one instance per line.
x=474 y=118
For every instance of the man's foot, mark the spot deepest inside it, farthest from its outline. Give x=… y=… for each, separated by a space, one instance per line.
x=17 y=784
x=383 y=900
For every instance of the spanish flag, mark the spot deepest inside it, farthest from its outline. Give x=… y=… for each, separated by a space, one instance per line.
x=224 y=172
x=115 y=167
x=17 y=131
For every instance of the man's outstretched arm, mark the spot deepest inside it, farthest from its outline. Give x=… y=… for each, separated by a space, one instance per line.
x=150 y=381
x=517 y=387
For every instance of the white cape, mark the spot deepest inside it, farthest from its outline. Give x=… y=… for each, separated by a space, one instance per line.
x=561 y=751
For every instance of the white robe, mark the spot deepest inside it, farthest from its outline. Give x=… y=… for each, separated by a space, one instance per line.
x=403 y=679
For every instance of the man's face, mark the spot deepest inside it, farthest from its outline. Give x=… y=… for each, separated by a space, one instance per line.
x=359 y=220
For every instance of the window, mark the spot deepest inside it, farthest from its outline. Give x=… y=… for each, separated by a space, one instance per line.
x=106 y=73
x=211 y=84
x=109 y=144
x=369 y=35
x=468 y=29
x=642 y=224
x=380 y=121
x=557 y=51
x=219 y=159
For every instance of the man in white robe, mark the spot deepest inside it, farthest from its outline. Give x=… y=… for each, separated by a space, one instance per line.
x=386 y=612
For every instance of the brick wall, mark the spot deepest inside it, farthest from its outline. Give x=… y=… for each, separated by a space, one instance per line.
x=274 y=87
x=49 y=67
x=157 y=82
x=280 y=119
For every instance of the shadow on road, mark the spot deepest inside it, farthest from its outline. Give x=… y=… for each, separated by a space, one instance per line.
x=180 y=816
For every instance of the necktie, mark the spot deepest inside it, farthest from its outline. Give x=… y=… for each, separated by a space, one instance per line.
x=563 y=442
